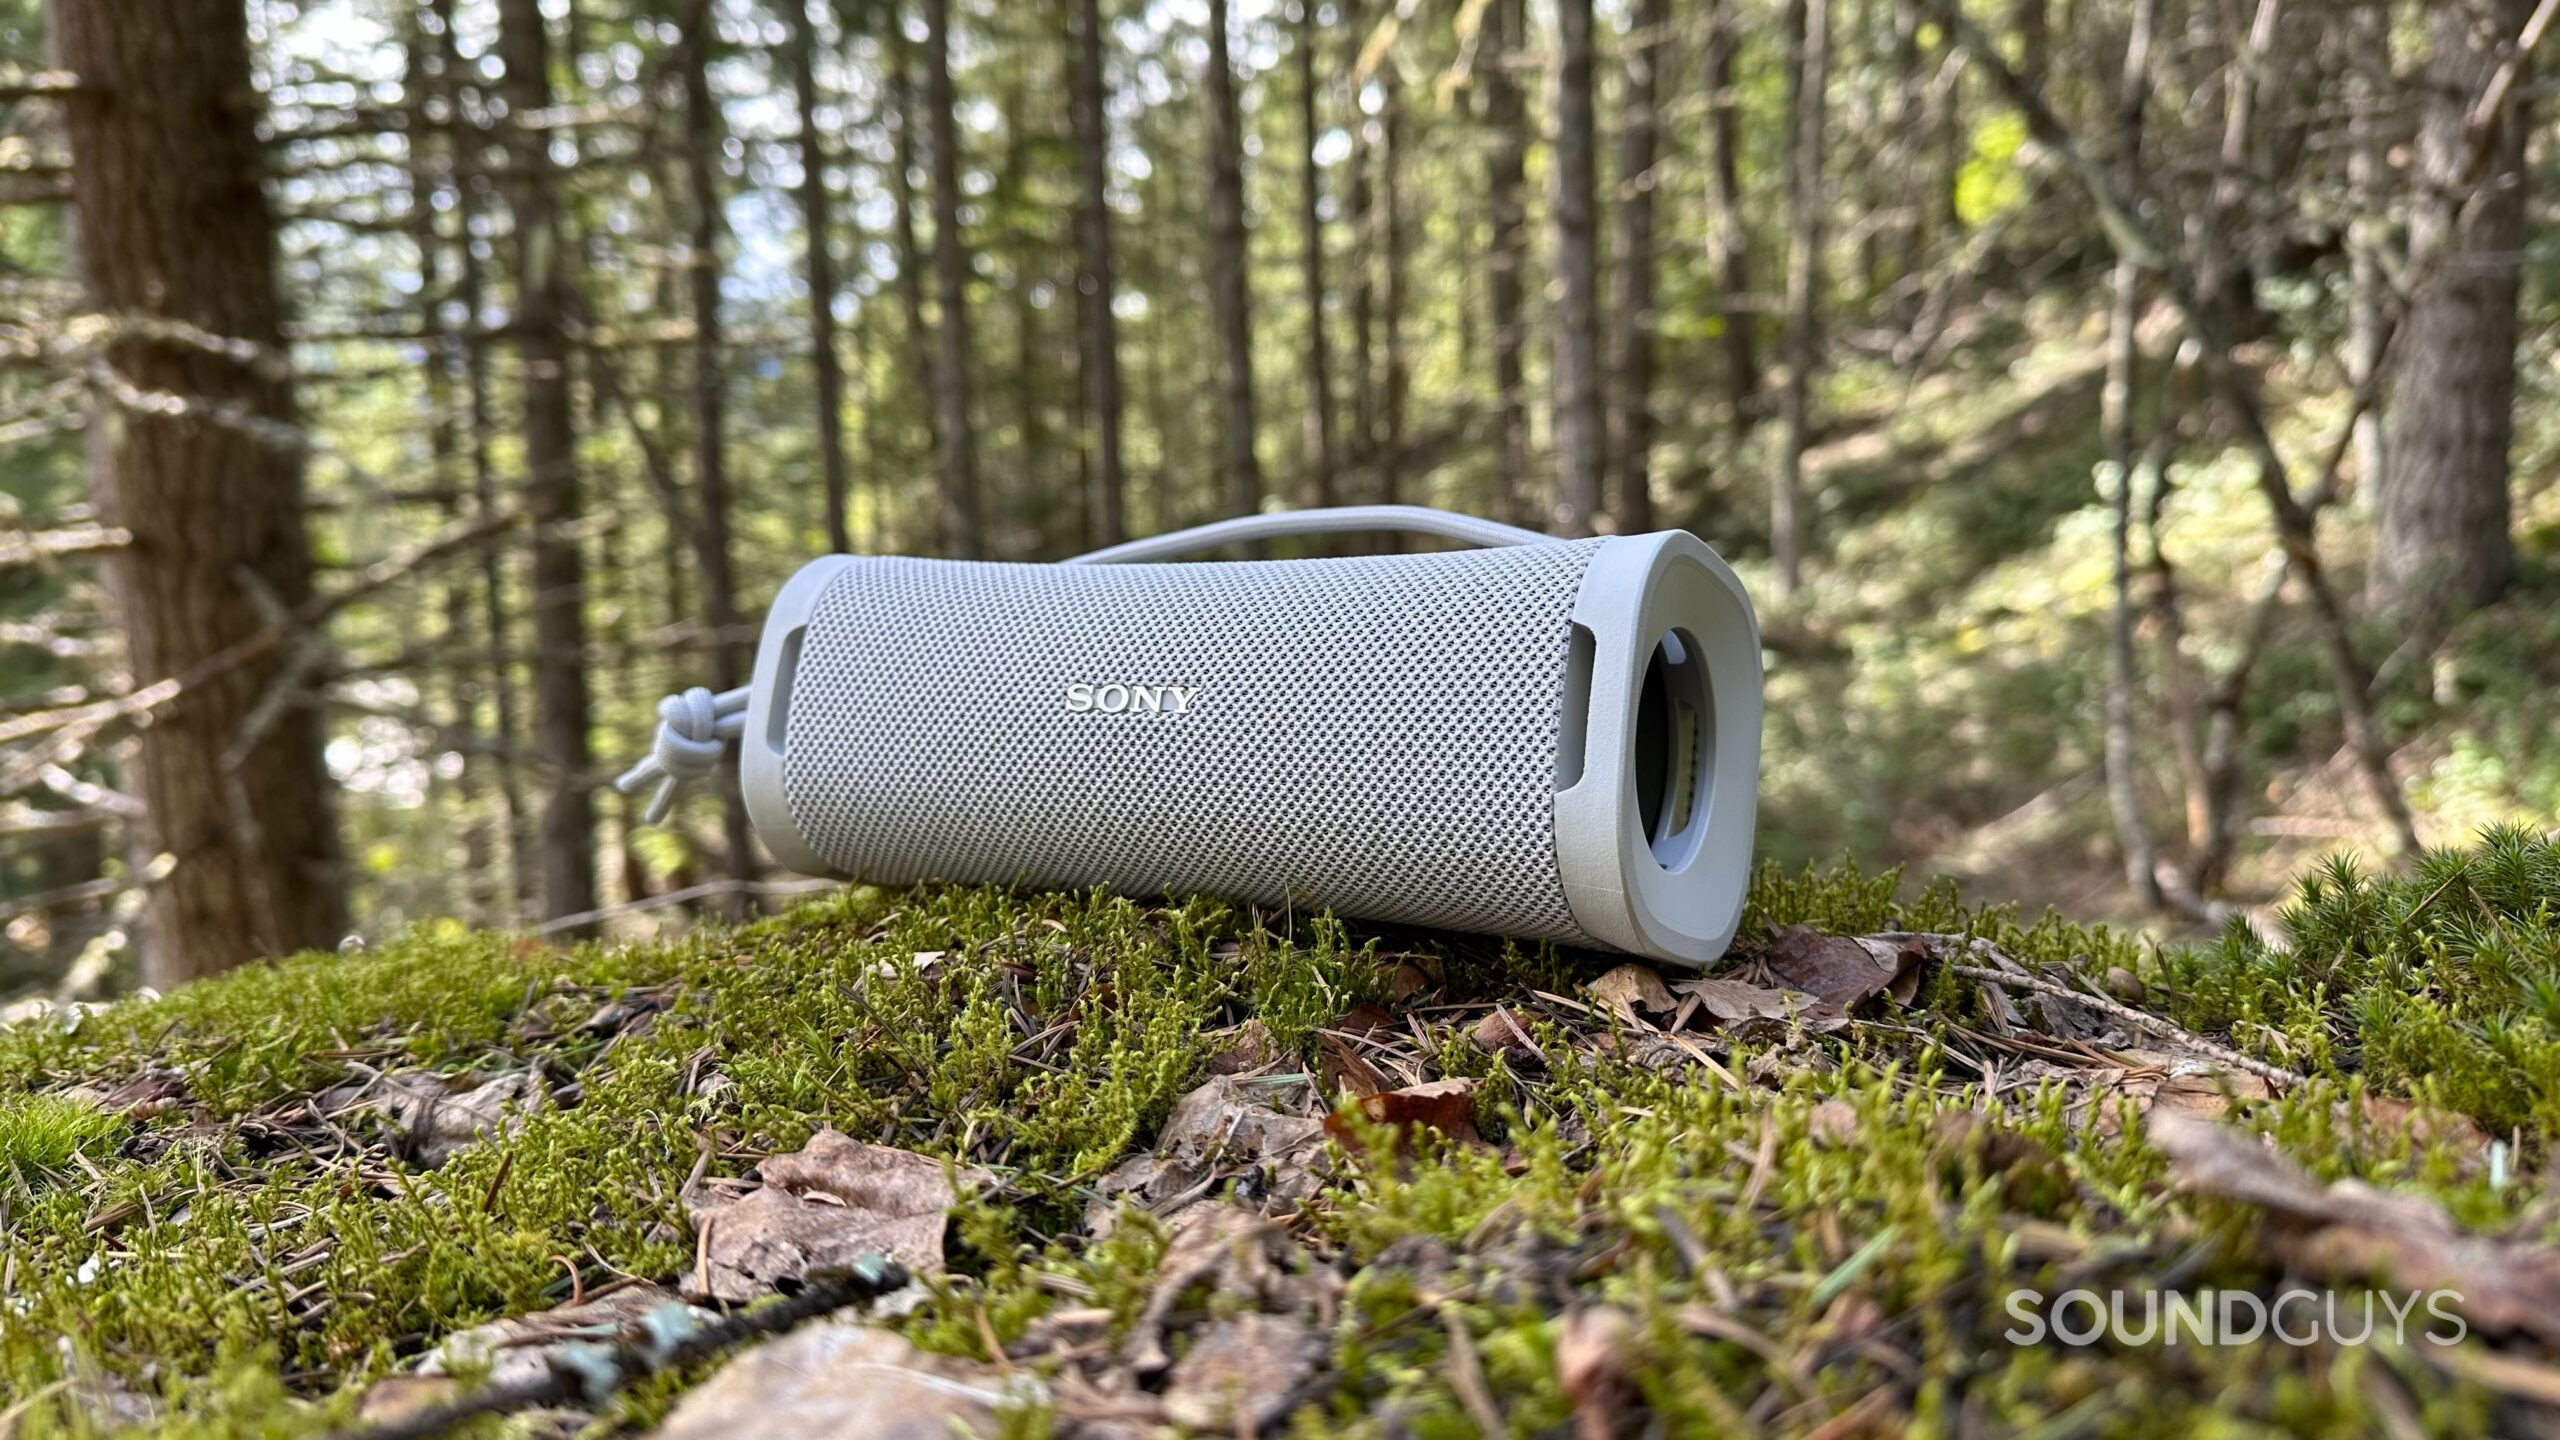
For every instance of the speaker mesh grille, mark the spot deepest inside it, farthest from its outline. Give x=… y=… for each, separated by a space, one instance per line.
x=1374 y=735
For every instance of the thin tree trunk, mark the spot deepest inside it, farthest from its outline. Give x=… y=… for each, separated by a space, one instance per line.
x=505 y=705
x=2442 y=544
x=710 y=422
x=1578 y=419
x=1631 y=317
x=1100 y=334
x=1503 y=33
x=963 y=532
x=826 y=368
x=551 y=471
x=1908 y=147
x=918 y=338
x=2368 y=86
x=1230 y=288
x=1395 y=296
x=1321 y=459
x=1728 y=244
x=173 y=227
x=2124 y=793
x=1808 y=73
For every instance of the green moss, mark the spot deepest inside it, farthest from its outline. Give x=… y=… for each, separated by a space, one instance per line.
x=228 y=1255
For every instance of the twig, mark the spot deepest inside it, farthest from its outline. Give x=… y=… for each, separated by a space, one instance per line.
x=590 y=1371
x=1938 y=943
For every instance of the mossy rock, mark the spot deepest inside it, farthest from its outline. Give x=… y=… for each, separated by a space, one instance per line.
x=192 y=1239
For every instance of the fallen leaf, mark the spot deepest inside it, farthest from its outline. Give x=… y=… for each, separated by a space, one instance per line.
x=1832 y=1124
x=1592 y=1356
x=1240 y=1375
x=1365 y=1020
x=1342 y=1069
x=1448 y=1106
x=1847 y=970
x=2424 y=1125
x=850 y=1382
x=1729 y=1000
x=823 y=1207
x=1225 y=1127
x=1408 y=981
x=521 y=1348
x=2408 y=1241
x=435 y=1117
x=1630 y=988
x=1503 y=1032
x=1239 y=1256
x=1248 y=1048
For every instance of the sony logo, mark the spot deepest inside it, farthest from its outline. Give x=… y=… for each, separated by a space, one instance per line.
x=1086 y=698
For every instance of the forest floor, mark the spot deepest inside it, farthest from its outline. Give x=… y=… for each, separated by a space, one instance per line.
x=1185 y=1171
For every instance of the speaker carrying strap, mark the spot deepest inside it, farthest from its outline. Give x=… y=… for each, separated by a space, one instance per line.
x=695 y=726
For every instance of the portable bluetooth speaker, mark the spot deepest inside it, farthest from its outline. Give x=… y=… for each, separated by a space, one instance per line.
x=1547 y=739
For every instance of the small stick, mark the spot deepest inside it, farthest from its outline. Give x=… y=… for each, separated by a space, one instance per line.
x=591 y=1371
x=2272 y=1074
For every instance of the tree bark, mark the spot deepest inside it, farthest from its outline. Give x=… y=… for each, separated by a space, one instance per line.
x=2368 y=226
x=1320 y=442
x=1578 y=419
x=1229 y=275
x=1728 y=243
x=962 y=529
x=826 y=367
x=1808 y=73
x=174 y=228
x=1503 y=33
x=1631 y=262
x=1100 y=333
x=726 y=649
x=551 y=470
x=917 y=339
x=2442 y=544
x=1395 y=296
x=2124 y=793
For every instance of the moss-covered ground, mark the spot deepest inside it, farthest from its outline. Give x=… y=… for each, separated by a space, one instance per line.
x=1799 y=1239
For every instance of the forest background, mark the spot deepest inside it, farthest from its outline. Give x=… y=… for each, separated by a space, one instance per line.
x=2134 y=417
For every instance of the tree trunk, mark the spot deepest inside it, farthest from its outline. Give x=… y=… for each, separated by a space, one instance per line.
x=1395 y=296
x=1499 y=41
x=826 y=368
x=917 y=341
x=710 y=422
x=1728 y=243
x=551 y=471
x=1229 y=274
x=1100 y=355
x=962 y=529
x=1321 y=459
x=2369 y=85
x=1808 y=71
x=1578 y=421
x=2442 y=543
x=2124 y=793
x=173 y=228
x=505 y=706
x=1631 y=317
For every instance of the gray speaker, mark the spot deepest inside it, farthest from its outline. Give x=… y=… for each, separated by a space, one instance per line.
x=1556 y=740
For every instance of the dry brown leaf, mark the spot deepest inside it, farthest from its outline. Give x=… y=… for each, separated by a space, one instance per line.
x=822 y=1207
x=1448 y=1106
x=1364 y=1020
x=1248 y=1048
x=1630 y=988
x=1236 y=1254
x=849 y=1382
x=1225 y=1127
x=1592 y=1358
x=2408 y=1241
x=1240 y=1375
x=435 y=1117
x=1503 y=1032
x=1847 y=970
x=1342 y=1069
x=1832 y=1124
x=1729 y=1000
